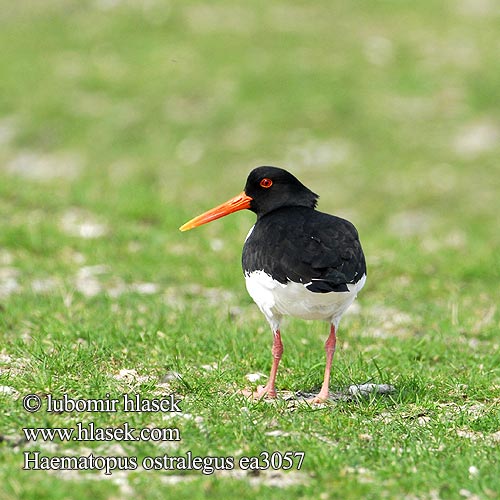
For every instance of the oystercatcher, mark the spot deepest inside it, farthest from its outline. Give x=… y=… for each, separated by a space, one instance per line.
x=297 y=261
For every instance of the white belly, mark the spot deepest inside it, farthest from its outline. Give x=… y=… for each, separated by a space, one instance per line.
x=294 y=299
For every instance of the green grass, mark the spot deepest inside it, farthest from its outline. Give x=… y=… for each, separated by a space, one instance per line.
x=124 y=119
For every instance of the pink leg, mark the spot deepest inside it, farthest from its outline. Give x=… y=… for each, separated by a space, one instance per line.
x=269 y=389
x=330 y=351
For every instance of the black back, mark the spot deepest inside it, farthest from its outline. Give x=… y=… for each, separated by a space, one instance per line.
x=300 y=244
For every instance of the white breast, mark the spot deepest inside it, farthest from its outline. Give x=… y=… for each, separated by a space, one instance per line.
x=294 y=299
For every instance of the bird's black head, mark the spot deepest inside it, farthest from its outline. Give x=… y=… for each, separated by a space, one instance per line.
x=267 y=189
x=271 y=188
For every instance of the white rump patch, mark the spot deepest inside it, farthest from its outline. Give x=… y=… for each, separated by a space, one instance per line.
x=294 y=299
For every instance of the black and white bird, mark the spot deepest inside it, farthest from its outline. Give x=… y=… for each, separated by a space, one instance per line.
x=297 y=261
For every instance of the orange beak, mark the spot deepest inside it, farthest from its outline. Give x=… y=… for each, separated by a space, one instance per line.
x=239 y=202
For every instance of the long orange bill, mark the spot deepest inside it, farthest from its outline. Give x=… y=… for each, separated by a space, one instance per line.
x=239 y=202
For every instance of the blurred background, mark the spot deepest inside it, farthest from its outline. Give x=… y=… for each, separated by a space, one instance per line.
x=121 y=119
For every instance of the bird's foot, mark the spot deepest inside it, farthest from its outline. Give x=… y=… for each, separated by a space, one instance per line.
x=263 y=391
x=318 y=401
x=321 y=398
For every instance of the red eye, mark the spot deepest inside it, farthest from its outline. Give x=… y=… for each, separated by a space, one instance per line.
x=266 y=183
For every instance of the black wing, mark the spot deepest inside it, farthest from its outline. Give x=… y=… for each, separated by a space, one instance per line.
x=306 y=246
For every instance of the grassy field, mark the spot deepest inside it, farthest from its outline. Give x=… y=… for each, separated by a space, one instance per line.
x=121 y=119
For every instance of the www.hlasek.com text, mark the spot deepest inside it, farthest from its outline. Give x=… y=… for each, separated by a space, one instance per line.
x=89 y=432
